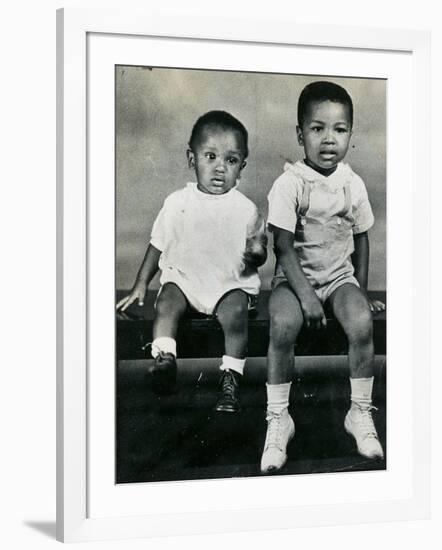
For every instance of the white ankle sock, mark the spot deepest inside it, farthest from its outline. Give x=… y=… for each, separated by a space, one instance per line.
x=361 y=390
x=232 y=363
x=278 y=397
x=164 y=344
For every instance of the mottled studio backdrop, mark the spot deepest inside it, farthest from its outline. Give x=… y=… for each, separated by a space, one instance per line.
x=155 y=112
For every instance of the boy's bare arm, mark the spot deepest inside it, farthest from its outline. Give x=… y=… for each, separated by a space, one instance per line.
x=311 y=306
x=360 y=260
x=146 y=273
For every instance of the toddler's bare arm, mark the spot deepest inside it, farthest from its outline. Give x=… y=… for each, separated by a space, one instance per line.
x=256 y=244
x=147 y=271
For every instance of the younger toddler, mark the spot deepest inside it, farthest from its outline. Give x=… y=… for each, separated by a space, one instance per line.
x=208 y=241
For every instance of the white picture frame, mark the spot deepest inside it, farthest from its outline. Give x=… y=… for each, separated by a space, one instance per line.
x=77 y=209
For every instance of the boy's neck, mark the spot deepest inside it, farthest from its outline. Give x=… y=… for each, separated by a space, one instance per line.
x=323 y=171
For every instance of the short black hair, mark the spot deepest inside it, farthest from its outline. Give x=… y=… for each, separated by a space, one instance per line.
x=323 y=91
x=224 y=120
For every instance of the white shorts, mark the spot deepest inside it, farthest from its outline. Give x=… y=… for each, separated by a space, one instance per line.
x=210 y=309
x=204 y=296
x=324 y=291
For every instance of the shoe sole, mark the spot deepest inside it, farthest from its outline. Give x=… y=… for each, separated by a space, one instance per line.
x=228 y=410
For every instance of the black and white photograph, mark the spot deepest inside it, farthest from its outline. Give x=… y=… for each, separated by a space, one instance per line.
x=211 y=210
x=250 y=274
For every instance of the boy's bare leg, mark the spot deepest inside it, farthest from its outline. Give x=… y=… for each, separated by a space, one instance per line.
x=286 y=320
x=232 y=314
x=351 y=308
x=170 y=306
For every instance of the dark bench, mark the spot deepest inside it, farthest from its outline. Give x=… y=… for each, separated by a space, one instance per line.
x=202 y=336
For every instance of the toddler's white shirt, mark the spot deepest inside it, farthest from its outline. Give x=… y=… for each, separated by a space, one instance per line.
x=202 y=238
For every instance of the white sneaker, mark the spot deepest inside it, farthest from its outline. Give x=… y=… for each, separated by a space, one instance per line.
x=280 y=430
x=359 y=423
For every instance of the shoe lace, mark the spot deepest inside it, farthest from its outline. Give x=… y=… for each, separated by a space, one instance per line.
x=146 y=345
x=163 y=356
x=228 y=384
x=274 y=430
x=367 y=422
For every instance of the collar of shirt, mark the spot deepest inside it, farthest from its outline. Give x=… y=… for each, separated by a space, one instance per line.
x=208 y=196
x=339 y=176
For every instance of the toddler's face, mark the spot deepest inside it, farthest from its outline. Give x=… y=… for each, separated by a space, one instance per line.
x=325 y=135
x=218 y=159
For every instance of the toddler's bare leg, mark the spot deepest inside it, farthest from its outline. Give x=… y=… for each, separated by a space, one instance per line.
x=232 y=313
x=286 y=320
x=351 y=309
x=170 y=307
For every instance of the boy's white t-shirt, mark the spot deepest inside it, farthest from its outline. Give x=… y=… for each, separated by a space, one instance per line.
x=202 y=238
x=323 y=260
x=286 y=193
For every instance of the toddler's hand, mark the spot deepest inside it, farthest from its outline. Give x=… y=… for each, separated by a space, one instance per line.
x=376 y=305
x=137 y=293
x=255 y=253
x=314 y=317
x=256 y=250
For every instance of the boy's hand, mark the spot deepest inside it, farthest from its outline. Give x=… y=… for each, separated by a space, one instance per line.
x=314 y=317
x=376 y=305
x=137 y=293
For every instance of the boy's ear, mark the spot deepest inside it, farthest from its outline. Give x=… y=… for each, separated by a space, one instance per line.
x=300 y=136
x=190 y=158
x=243 y=165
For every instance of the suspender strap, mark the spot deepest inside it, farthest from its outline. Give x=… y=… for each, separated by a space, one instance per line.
x=305 y=200
x=347 y=201
x=304 y=204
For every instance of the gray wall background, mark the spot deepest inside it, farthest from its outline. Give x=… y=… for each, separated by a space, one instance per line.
x=155 y=112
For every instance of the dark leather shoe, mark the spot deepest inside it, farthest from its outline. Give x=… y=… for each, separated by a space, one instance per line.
x=228 y=398
x=163 y=373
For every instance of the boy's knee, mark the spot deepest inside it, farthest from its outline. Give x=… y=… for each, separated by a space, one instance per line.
x=284 y=327
x=360 y=330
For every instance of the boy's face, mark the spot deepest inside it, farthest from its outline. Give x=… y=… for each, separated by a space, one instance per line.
x=325 y=135
x=218 y=159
